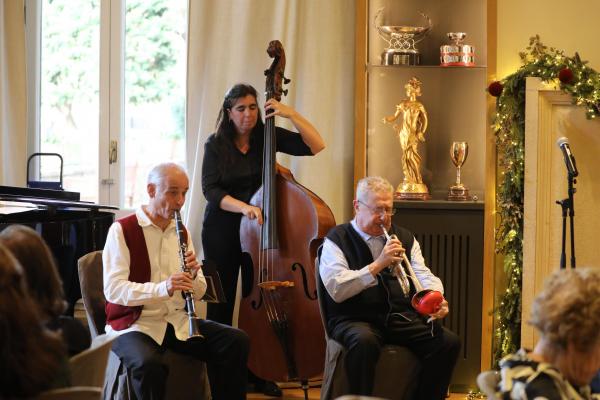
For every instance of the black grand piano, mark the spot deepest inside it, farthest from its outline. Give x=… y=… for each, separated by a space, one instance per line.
x=70 y=227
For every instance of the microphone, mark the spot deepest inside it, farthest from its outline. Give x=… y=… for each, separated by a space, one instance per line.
x=563 y=143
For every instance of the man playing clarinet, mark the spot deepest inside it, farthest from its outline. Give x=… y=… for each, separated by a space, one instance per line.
x=143 y=280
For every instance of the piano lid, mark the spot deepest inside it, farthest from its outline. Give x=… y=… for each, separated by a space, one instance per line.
x=70 y=227
x=40 y=193
x=52 y=199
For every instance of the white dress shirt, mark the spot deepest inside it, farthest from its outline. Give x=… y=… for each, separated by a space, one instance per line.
x=159 y=308
x=342 y=282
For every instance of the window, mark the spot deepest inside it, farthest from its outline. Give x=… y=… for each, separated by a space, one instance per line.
x=69 y=88
x=112 y=82
x=155 y=62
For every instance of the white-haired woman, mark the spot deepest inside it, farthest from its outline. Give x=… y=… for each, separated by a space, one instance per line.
x=567 y=356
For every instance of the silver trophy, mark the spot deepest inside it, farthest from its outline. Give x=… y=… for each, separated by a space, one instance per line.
x=457 y=54
x=401 y=40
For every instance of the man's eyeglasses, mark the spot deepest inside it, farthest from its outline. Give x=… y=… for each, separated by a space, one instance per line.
x=379 y=210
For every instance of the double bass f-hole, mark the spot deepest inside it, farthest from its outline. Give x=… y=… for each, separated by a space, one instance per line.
x=304 y=281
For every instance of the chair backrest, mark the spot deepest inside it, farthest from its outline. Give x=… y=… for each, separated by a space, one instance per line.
x=92 y=291
x=321 y=292
x=487 y=382
x=88 y=368
x=72 y=393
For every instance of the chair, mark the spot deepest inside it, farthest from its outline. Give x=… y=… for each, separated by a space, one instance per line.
x=72 y=393
x=488 y=382
x=187 y=375
x=88 y=368
x=396 y=373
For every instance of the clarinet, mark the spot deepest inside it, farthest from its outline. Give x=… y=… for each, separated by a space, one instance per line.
x=188 y=295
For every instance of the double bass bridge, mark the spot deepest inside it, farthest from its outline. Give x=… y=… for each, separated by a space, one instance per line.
x=273 y=285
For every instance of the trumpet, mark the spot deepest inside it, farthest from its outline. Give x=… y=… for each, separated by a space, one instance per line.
x=425 y=301
x=188 y=295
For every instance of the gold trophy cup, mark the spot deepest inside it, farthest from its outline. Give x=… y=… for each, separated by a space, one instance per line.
x=458 y=153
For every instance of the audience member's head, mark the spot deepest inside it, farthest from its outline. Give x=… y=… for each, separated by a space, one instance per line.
x=567 y=315
x=43 y=281
x=31 y=358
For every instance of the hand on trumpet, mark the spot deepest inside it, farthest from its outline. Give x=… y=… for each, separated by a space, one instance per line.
x=441 y=312
x=391 y=254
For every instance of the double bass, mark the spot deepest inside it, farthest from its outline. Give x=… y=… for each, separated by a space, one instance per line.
x=280 y=310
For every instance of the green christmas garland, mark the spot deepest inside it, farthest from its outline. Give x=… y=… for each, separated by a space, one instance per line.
x=583 y=84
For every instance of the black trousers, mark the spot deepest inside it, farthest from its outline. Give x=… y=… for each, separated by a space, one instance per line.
x=224 y=349
x=221 y=244
x=363 y=342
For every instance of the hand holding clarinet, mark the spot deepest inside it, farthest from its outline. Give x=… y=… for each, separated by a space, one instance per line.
x=183 y=280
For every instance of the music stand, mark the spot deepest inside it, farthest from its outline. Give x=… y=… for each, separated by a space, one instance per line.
x=214 y=289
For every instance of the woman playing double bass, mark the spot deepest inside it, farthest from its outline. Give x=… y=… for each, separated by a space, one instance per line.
x=232 y=173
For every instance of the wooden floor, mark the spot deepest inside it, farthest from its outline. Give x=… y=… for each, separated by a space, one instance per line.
x=314 y=393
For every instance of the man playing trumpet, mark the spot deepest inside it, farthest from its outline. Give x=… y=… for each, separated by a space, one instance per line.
x=366 y=304
x=143 y=280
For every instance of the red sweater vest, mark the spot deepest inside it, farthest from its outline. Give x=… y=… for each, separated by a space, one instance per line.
x=122 y=317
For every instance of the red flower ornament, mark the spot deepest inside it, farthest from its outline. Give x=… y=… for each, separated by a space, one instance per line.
x=565 y=75
x=495 y=88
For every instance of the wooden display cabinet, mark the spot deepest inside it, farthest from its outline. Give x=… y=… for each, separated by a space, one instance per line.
x=458 y=106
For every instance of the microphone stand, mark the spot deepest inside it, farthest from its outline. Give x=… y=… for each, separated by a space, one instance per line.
x=568 y=208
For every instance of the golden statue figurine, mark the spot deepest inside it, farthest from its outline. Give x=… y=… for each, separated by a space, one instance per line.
x=410 y=132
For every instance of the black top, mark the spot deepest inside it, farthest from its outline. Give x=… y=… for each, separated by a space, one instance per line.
x=243 y=178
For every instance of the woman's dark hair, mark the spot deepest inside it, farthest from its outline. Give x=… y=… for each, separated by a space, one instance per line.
x=225 y=127
x=31 y=357
x=44 y=283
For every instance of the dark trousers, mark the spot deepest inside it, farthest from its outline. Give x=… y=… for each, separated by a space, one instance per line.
x=223 y=312
x=224 y=349
x=363 y=342
x=595 y=384
x=221 y=244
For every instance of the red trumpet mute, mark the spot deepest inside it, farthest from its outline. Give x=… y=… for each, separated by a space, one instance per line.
x=427 y=301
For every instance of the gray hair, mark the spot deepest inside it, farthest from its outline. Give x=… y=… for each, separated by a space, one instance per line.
x=372 y=184
x=158 y=173
x=567 y=309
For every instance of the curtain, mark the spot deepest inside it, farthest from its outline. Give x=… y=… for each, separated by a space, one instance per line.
x=227 y=44
x=13 y=94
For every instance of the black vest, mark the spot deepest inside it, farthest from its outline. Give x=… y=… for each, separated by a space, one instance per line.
x=375 y=303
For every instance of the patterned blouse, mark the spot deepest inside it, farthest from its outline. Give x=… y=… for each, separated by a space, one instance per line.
x=525 y=379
